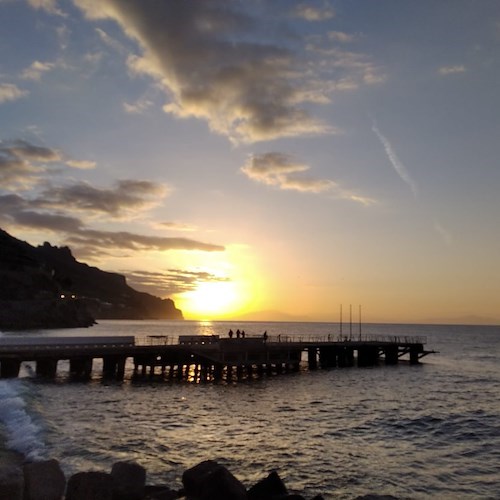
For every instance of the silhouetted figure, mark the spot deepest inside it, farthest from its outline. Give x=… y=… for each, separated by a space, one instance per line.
x=231 y=334
x=238 y=333
x=242 y=334
x=265 y=336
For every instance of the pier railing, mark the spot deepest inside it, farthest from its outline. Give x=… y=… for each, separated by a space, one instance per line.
x=42 y=343
x=159 y=340
x=156 y=340
x=329 y=338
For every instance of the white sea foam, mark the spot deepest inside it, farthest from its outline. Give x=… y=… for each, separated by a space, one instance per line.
x=22 y=433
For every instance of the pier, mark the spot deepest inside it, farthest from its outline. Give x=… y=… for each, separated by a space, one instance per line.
x=202 y=357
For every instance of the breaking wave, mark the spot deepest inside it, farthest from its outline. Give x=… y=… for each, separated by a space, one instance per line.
x=22 y=432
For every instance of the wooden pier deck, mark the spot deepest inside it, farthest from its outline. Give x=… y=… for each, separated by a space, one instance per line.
x=203 y=357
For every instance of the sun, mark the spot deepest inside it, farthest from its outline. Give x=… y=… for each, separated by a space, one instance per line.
x=212 y=300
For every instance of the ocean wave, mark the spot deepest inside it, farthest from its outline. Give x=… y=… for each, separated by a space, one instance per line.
x=22 y=432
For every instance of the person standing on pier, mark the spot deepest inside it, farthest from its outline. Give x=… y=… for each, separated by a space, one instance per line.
x=231 y=334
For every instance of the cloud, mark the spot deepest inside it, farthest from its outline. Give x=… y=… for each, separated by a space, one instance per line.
x=63 y=35
x=37 y=69
x=175 y=226
x=138 y=107
x=93 y=58
x=78 y=236
x=81 y=164
x=125 y=240
x=284 y=172
x=278 y=169
x=127 y=198
x=65 y=210
x=28 y=151
x=13 y=171
x=22 y=163
x=213 y=64
x=110 y=41
x=400 y=169
x=10 y=92
x=343 y=69
x=340 y=36
x=173 y=281
x=55 y=222
x=17 y=170
x=19 y=212
x=450 y=70
x=49 y=6
x=311 y=13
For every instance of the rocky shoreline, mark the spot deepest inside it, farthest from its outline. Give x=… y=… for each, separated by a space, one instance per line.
x=207 y=480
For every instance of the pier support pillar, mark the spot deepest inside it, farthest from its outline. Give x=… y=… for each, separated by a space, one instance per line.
x=120 y=368
x=342 y=358
x=414 y=352
x=345 y=357
x=9 y=368
x=312 y=358
x=327 y=357
x=218 y=372
x=80 y=368
x=108 y=367
x=367 y=356
x=391 y=355
x=113 y=367
x=46 y=368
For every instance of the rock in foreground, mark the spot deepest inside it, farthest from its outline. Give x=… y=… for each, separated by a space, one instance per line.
x=207 y=480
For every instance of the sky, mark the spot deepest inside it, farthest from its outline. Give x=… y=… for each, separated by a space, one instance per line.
x=267 y=160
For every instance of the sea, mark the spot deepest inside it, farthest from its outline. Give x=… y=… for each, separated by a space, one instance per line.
x=414 y=432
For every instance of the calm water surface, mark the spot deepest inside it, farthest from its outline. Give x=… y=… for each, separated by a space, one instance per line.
x=428 y=431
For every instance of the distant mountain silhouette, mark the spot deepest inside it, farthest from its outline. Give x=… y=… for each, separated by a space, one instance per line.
x=46 y=287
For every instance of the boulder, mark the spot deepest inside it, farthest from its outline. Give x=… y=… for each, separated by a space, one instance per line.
x=211 y=481
x=268 y=488
x=11 y=483
x=43 y=481
x=129 y=481
x=90 y=486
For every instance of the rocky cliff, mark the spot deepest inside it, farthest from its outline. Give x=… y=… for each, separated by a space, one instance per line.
x=46 y=287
